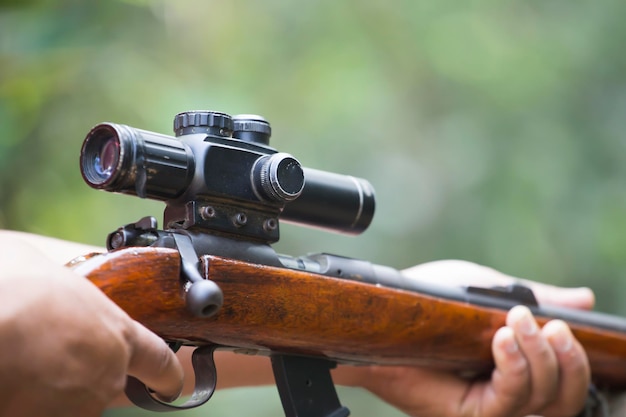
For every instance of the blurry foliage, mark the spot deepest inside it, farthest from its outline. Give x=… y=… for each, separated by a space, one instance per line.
x=492 y=131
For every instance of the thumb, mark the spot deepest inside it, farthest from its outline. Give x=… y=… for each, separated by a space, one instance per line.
x=580 y=298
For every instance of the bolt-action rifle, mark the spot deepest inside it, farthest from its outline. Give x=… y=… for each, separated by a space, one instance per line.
x=211 y=279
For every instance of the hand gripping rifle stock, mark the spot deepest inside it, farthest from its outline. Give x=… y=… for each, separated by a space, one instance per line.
x=211 y=279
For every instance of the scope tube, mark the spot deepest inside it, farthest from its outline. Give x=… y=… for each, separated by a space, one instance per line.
x=122 y=159
x=335 y=202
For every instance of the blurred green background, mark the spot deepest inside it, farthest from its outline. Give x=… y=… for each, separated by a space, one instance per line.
x=492 y=131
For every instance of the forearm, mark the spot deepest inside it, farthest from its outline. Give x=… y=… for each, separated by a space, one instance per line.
x=57 y=250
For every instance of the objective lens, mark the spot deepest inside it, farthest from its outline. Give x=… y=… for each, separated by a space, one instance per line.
x=106 y=161
x=123 y=159
x=101 y=157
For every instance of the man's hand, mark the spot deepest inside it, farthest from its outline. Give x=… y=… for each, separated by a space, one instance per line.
x=66 y=348
x=462 y=273
x=541 y=371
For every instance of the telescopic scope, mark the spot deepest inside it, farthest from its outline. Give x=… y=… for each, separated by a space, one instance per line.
x=122 y=159
x=216 y=158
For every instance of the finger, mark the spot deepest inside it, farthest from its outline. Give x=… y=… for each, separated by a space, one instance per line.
x=457 y=272
x=540 y=356
x=510 y=385
x=580 y=298
x=463 y=273
x=574 y=370
x=155 y=364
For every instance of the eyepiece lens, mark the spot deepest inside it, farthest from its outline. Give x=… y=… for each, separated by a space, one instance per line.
x=290 y=176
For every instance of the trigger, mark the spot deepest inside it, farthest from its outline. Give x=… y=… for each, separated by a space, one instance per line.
x=206 y=379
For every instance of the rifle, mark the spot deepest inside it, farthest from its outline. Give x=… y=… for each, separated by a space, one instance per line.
x=211 y=278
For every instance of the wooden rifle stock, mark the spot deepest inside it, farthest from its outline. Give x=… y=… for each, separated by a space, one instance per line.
x=271 y=309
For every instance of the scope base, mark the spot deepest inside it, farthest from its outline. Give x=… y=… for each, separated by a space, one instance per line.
x=234 y=219
x=305 y=387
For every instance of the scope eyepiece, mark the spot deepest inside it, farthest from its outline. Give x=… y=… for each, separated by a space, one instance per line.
x=278 y=177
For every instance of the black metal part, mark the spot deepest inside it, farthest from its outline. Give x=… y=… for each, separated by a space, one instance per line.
x=206 y=380
x=251 y=128
x=306 y=387
x=202 y=296
x=278 y=177
x=223 y=218
x=514 y=292
x=141 y=233
x=334 y=202
x=203 y=121
x=596 y=404
x=123 y=159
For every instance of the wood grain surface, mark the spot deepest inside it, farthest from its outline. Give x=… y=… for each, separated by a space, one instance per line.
x=276 y=309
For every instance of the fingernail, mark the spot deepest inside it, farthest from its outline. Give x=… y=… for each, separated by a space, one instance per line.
x=562 y=339
x=584 y=297
x=510 y=345
x=527 y=324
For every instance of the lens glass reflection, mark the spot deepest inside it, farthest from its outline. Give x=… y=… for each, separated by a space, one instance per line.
x=290 y=176
x=106 y=160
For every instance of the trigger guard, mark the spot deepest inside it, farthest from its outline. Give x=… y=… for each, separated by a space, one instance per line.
x=206 y=379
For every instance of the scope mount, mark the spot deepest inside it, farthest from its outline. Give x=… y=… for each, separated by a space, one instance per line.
x=276 y=177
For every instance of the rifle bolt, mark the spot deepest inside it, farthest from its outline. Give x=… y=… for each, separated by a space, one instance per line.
x=240 y=219
x=207 y=212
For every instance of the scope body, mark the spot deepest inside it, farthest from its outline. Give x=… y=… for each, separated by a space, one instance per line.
x=223 y=177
